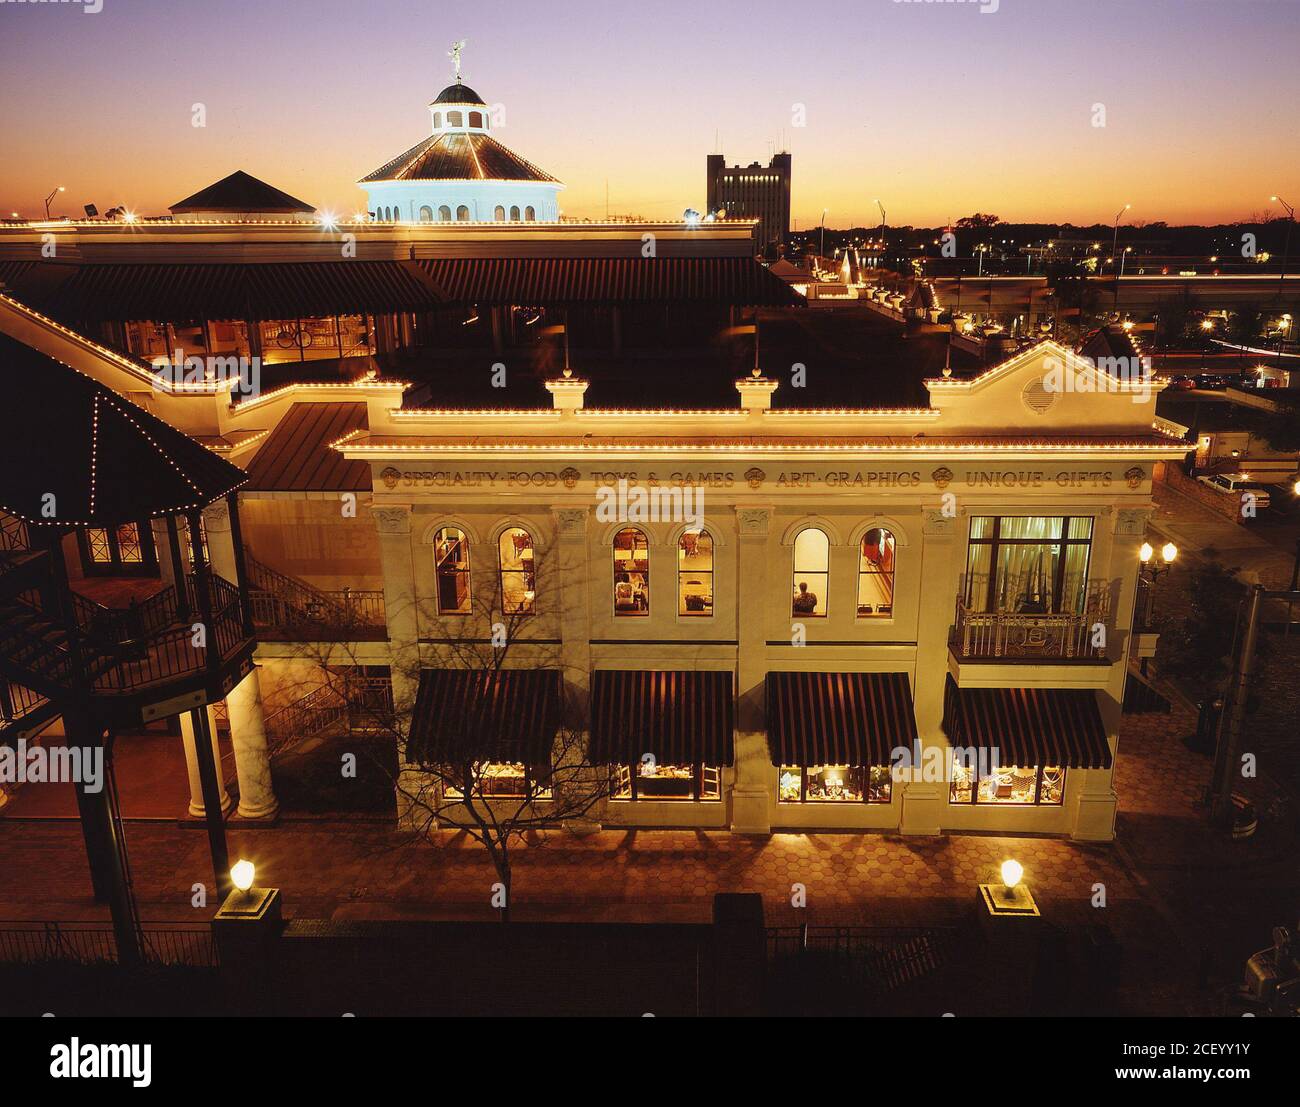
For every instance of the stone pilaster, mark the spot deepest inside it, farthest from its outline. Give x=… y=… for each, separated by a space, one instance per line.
x=924 y=801
x=752 y=787
x=221 y=547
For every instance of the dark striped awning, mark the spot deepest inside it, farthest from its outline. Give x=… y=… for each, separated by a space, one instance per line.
x=678 y=717
x=838 y=718
x=483 y=715
x=262 y=290
x=541 y=281
x=1029 y=726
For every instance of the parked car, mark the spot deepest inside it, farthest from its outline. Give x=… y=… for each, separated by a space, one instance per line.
x=1215 y=381
x=1181 y=383
x=1237 y=484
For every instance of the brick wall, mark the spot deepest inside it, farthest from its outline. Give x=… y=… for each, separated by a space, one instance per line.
x=1227 y=506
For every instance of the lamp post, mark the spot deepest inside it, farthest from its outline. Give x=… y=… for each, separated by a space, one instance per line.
x=1114 y=247
x=821 y=250
x=50 y=197
x=1168 y=553
x=1286 y=242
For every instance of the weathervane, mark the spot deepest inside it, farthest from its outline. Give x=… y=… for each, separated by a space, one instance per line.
x=454 y=54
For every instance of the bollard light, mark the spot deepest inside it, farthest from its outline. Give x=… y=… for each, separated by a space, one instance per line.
x=242 y=874
x=1012 y=871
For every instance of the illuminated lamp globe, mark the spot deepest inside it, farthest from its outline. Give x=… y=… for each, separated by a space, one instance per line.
x=1144 y=554
x=1012 y=871
x=1168 y=552
x=242 y=873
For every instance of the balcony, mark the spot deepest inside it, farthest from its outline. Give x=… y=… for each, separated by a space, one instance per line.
x=1033 y=636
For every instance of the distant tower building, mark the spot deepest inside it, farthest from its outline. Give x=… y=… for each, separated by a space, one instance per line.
x=753 y=192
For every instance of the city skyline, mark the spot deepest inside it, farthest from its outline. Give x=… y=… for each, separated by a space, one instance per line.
x=881 y=116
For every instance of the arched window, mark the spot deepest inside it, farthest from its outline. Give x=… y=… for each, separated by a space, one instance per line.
x=476 y=119
x=455 y=119
x=451 y=558
x=514 y=212
x=529 y=214
x=631 y=572
x=426 y=214
x=462 y=214
x=437 y=120
x=695 y=573
x=499 y=214
x=812 y=553
x=876 y=574
x=444 y=213
x=518 y=572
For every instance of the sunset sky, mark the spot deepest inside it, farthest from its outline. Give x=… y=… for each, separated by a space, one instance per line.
x=939 y=109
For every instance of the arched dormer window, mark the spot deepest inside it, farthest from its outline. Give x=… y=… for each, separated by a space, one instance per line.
x=426 y=214
x=476 y=119
x=530 y=215
x=518 y=571
x=444 y=213
x=876 y=574
x=462 y=214
x=812 y=554
x=437 y=120
x=514 y=213
x=451 y=561
x=499 y=214
x=455 y=119
x=631 y=572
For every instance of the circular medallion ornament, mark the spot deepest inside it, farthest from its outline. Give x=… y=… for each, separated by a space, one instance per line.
x=1133 y=477
x=755 y=477
x=570 y=477
x=942 y=477
x=1038 y=397
x=390 y=477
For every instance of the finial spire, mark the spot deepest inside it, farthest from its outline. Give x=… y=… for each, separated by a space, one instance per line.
x=454 y=54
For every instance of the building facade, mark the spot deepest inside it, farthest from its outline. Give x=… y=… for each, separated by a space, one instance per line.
x=753 y=191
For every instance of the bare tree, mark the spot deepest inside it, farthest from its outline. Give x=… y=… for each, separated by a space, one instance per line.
x=465 y=773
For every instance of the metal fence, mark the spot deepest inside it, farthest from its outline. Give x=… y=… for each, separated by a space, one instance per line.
x=881 y=958
x=93 y=943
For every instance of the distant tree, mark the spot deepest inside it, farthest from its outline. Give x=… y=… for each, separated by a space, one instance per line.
x=1280 y=429
x=1246 y=324
x=977 y=221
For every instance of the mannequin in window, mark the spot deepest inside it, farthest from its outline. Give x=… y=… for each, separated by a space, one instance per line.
x=805 y=602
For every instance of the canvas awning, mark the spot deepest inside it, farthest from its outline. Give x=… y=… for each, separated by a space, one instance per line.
x=680 y=718
x=838 y=718
x=1029 y=726
x=485 y=715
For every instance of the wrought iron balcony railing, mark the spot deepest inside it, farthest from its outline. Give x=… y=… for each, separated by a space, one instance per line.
x=1035 y=635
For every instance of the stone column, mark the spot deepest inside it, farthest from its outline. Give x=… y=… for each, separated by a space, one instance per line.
x=393 y=524
x=751 y=792
x=221 y=548
x=924 y=802
x=252 y=759
x=196 y=808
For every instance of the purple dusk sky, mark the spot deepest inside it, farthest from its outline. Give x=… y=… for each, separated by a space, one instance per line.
x=940 y=109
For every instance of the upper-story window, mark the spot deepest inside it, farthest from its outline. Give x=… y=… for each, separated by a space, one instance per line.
x=451 y=558
x=455 y=119
x=695 y=573
x=426 y=214
x=437 y=120
x=444 y=213
x=1028 y=564
x=518 y=572
x=499 y=213
x=876 y=574
x=514 y=212
x=631 y=572
x=530 y=214
x=476 y=119
x=462 y=213
x=812 y=555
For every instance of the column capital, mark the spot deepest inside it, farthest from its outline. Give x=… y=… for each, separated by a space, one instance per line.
x=572 y=522
x=753 y=522
x=1132 y=521
x=216 y=516
x=392 y=518
x=937 y=524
